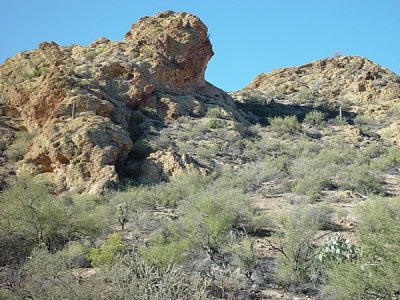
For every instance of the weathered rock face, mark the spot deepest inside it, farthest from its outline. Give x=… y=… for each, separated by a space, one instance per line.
x=177 y=45
x=81 y=153
x=159 y=66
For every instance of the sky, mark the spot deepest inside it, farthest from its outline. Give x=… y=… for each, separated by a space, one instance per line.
x=249 y=37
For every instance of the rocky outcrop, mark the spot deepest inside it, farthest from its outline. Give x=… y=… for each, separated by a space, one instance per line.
x=360 y=86
x=80 y=153
x=163 y=164
x=177 y=46
x=80 y=101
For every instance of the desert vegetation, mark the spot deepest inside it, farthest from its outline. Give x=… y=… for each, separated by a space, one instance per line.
x=213 y=236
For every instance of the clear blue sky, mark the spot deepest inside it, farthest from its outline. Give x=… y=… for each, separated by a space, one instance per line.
x=249 y=37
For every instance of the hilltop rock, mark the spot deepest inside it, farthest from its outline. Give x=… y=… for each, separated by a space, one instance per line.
x=158 y=67
x=179 y=52
x=360 y=86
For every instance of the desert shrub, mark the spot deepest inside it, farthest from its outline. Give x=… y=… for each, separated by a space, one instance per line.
x=166 y=194
x=111 y=248
x=214 y=112
x=89 y=217
x=19 y=146
x=358 y=178
x=365 y=123
x=33 y=216
x=28 y=207
x=48 y=277
x=243 y=255
x=214 y=124
x=376 y=273
x=389 y=160
x=163 y=141
x=15 y=246
x=311 y=176
x=296 y=244
x=263 y=147
x=208 y=151
x=286 y=125
x=305 y=148
x=252 y=175
x=314 y=118
x=339 y=121
x=305 y=94
x=167 y=247
x=132 y=278
x=74 y=254
x=205 y=223
x=338 y=167
x=323 y=215
x=393 y=112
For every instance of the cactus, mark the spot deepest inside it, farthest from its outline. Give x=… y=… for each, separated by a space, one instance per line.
x=337 y=249
x=73 y=110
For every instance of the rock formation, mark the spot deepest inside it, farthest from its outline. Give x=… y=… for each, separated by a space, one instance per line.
x=354 y=83
x=160 y=66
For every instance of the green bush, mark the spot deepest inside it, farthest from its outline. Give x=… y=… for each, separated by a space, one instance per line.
x=314 y=118
x=166 y=194
x=358 y=178
x=296 y=244
x=111 y=248
x=286 y=125
x=311 y=176
x=214 y=124
x=365 y=123
x=33 y=216
x=205 y=223
x=48 y=276
x=252 y=175
x=376 y=273
x=28 y=207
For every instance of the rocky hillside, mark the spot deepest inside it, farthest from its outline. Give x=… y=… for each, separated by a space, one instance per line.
x=265 y=193
x=90 y=107
x=360 y=88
